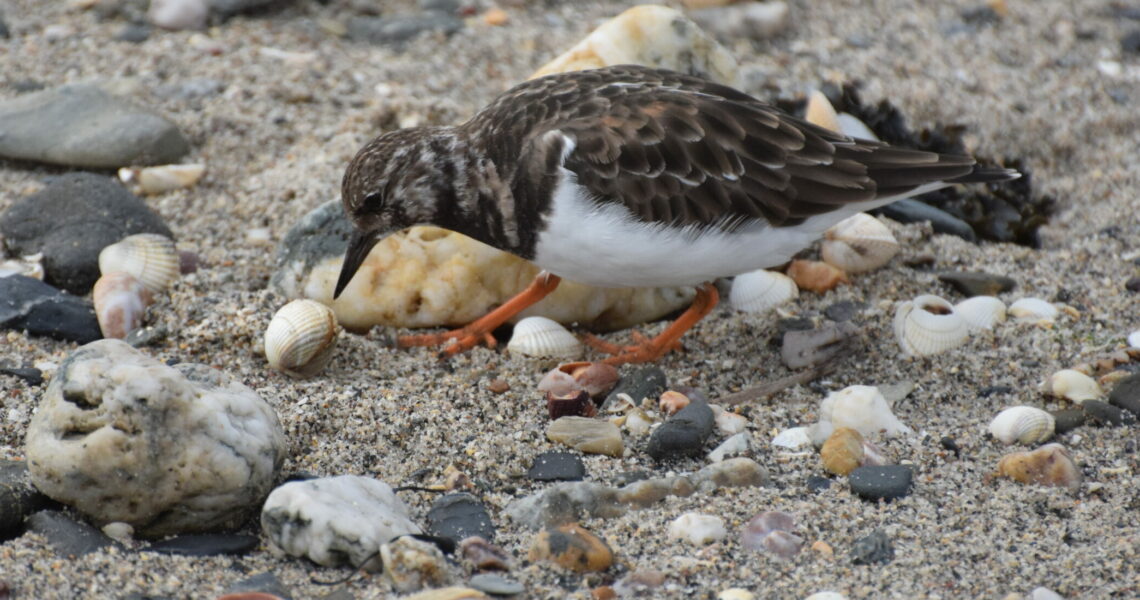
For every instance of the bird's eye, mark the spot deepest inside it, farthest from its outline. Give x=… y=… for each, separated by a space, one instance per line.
x=373 y=201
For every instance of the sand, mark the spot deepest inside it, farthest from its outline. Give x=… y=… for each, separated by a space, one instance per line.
x=277 y=140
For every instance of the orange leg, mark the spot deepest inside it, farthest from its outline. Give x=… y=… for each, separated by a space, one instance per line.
x=480 y=330
x=647 y=350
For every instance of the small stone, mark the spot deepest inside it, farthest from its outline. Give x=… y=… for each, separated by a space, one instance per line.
x=574 y=404
x=412 y=565
x=1126 y=394
x=31 y=305
x=206 y=545
x=498 y=385
x=772 y=532
x=881 y=482
x=793 y=438
x=749 y=20
x=735 y=594
x=732 y=472
x=566 y=502
x=394 y=31
x=977 y=283
x=1133 y=285
x=1067 y=420
x=817 y=346
x=69 y=537
x=872 y=548
x=1103 y=413
x=31 y=376
x=573 y=548
x=844 y=310
x=557 y=466
x=646 y=382
x=1130 y=43
x=135 y=33
x=818 y=484
x=698 y=529
x=842 y=452
x=735 y=445
x=909 y=210
x=459 y=516
x=586 y=435
x=179 y=14
x=496 y=585
x=638 y=584
x=1050 y=465
x=495 y=17
x=265 y=583
x=728 y=422
x=335 y=520
x=484 y=555
x=683 y=434
x=81 y=125
x=18 y=498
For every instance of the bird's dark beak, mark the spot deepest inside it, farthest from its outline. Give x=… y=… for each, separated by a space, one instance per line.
x=359 y=246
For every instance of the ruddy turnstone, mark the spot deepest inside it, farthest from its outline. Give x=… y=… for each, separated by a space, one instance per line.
x=629 y=176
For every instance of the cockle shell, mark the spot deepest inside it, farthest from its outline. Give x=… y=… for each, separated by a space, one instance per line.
x=1022 y=424
x=301 y=338
x=542 y=337
x=1033 y=309
x=162 y=178
x=149 y=257
x=929 y=325
x=760 y=291
x=120 y=303
x=981 y=312
x=1071 y=385
x=858 y=244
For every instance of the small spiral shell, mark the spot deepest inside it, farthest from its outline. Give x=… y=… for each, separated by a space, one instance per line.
x=301 y=338
x=1022 y=424
x=760 y=291
x=929 y=325
x=858 y=244
x=542 y=337
x=120 y=304
x=149 y=257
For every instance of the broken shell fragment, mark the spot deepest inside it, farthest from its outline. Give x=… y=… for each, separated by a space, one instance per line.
x=540 y=337
x=760 y=291
x=149 y=257
x=981 y=312
x=301 y=338
x=858 y=244
x=120 y=304
x=1071 y=385
x=672 y=402
x=574 y=404
x=1049 y=465
x=815 y=276
x=1033 y=310
x=595 y=378
x=162 y=178
x=929 y=325
x=862 y=408
x=31 y=265
x=1022 y=424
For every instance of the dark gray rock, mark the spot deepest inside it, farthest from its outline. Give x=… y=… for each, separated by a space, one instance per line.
x=135 y=33
x=227 y=8
x=977 y=283
x=1130 y=43
x=444 y=6
x=31 y=305
x=266 y=582
x=84 y=126
x=18 y=498
x=873 y=548
x=844 y=310
x=1067 y=420
x=399 y=29
x=881 y=482
x=206 y=545
x=818 y=484
x=4 y=33
x=31 y=376
x=459 y=516
x=68 y=536
x=321 y=233
x=496 y=585
x=646 y=382
x=684 y=434
x=71 y=220
x=909 y=210
x=557 y=466
x=1103 y=413
x=1126 y=394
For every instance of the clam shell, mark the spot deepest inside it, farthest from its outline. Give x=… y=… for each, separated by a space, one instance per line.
x=1072 y=385
x=162 y=178
x=301 y=338
x=120 y=304
x=1033 y=309
x=542 y=337
x=149 y=257
x=929 y=325
x=1022 y=424
x=858 y=244
x=981 y=312
x=760 y=291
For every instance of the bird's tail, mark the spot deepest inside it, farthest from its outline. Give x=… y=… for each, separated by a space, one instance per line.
x=986 y=174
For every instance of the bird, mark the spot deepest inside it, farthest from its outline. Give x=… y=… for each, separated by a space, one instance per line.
x=628 y=176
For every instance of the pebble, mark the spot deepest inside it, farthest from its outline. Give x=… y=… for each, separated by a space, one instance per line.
x=1126 y=394
x=557 y=466
x=135 y=33
x=232 y=7
x=771 y=531
x=909 y=210
x=1133 y=284
x=793 y=438
x=872 y=548
x=749 y=20
x=683 y=434
x=396 y=30
x=842 y=452
x=1103 y=413
x=844 y=310
x=735 y=594
x=1050 y=465
x=81 y=125
x=637 y=584
x=805 y=348
x=1130 y=42
x=734 y=445
x=573 y=548
x=459 y=516
x=412 y=565
x=206 y=545
x=123 y=437
x=978 y=283
x=698 y=529
x=18 y=498
x=1067 y=420
x=29 y=375
x=179 y=14
x=826 y=595
x=5 y=33
x=484 y=555
x=817 y=484
x=590 y=436
x=884 y=482
x=573 y=404
x=31 y=305
x=335 y=520
x=645 y=382
x=444 y=593
x=728 y=422
x=71 y=220
x=69 y=538
x=496 y=585
x=265 y=583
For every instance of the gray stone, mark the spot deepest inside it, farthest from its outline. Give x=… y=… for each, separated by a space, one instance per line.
x=881 y=482
x=496 y=585
x=210 y=544
x=399 y=29
x=123 y=437
x=335 y=520
x=83 y=126
x=321 y=234
x=978 y=283
x=71 y=220
x=872 y=548
x=18 y=498
x=1103 y=413
x=226 y=8
x=646 y=382
x=805 y=348
x=557 y=466
x=684 y=433
x=459 y=516
x=412 y=565
x=31 y=305
x=1126 y=394
x=265 y=582
x=66 y=535
x=909 y=210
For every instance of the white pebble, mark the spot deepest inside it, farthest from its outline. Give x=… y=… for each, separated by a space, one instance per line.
x=1134 y=339
x=796 y=437
x=698 y=529
x=737 y=444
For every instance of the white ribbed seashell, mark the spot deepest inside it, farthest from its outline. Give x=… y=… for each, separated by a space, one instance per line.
x=149 y=257
x=1072 y=385
x=929 y=325
x=981 y=312
x=120 y=303
x=819 y=111
x=301 y=338
x=862 y=408
x=542 y=337
x=1033 y=309
x=1022 y=424
x=162 y=178
x=760 y=291
x=858 y=244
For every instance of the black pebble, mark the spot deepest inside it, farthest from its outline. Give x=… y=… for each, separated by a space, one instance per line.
x=1130 y=43
x=1103 y=413
x=818 y=484
x=68 y=536
x=873 y=548
x=1067 y=420
x=684 y=434
x=977 y=283
x=459 y=516
x=948 y=443
x=646 y=382
x=206 y=545
x=135 y=33
x=990 y=390
x=557 y=466
x=29 y=375
x=18 y=498
x=882 y=482
x=32 y=305
x=1132 y=285
x=1126 y=394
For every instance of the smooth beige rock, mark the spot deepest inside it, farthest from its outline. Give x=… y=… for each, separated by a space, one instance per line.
x=573 y=548
x=587 y=435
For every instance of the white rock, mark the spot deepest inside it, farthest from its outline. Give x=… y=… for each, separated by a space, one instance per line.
x=412 y=565
x=335 y=520
x=737 y=444
x=826 y=596
x=793 y=438
x=123 y=437
x=728 y=422
x=698 y=529
x=179 y=14
x=1134 y=339
x=861 y=408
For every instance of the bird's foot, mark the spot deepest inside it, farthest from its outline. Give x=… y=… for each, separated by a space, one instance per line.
x=643 y=349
